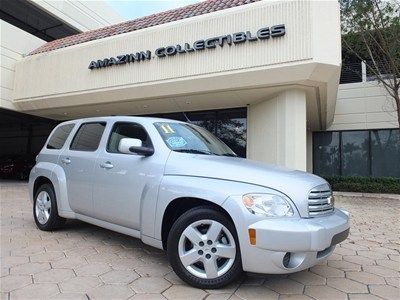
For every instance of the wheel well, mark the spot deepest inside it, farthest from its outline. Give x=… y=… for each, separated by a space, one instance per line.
x=39 y=182
x=178 y=207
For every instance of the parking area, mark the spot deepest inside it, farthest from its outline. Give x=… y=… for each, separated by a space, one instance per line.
x=83 y=261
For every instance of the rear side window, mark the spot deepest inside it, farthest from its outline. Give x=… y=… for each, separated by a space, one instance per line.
x=127 y=130
x=60 y=135
x=88 y=137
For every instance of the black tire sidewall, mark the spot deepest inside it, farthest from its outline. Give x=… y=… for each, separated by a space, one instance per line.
x=54 y=219
x=193 y=215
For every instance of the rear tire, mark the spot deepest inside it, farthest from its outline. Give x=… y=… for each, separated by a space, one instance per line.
x=45 y=210
x=211 y=257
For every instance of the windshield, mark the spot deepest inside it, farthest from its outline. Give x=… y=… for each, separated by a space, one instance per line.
x=182 y=137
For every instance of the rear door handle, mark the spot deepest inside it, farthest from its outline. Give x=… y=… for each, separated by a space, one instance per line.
x=66 y=161
x=107 y=165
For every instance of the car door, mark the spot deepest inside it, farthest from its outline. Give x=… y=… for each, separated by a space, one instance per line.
x=78 y=161
x=123 y=180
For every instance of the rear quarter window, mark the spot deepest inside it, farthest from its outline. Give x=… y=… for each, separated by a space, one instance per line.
x=59 y=136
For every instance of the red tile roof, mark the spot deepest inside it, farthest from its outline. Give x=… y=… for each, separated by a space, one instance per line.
x=189 y=11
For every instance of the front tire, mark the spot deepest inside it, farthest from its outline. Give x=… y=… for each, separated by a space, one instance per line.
x=45 y=210
x=203 y=248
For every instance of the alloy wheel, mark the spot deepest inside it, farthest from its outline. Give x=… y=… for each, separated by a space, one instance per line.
x=207 y=249
x=43 y=207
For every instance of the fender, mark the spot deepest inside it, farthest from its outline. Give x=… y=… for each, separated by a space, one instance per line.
x=40 y=169
x=56 y=175
x=210 y=189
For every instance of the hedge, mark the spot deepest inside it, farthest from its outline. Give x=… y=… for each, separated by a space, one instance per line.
x=384 y=185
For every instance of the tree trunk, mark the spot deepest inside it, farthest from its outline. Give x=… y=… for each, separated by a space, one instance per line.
x=397 y=99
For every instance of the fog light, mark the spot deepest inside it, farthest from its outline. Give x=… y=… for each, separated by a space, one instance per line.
x=286 y=260
x=252 y=236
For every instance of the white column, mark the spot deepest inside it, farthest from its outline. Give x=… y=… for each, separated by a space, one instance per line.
x=309 y=151
x=363 y=71
x=276 y=131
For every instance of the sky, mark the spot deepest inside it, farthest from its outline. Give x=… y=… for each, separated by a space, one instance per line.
x=132 y=9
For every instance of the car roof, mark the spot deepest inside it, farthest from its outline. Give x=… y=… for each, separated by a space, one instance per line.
x=147 y=120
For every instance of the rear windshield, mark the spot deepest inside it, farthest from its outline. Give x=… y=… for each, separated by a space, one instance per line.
x=60 y=135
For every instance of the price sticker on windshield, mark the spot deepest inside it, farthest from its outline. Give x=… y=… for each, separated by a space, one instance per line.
x=176 y=142
x=167 y=129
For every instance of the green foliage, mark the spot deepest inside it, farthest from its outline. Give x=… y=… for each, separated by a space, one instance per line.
x=384 y=185
x=371 y=33
x=371 y=30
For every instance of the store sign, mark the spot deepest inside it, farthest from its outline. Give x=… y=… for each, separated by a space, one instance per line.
x=211 y=43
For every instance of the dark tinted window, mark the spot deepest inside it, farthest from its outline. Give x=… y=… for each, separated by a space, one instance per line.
x=385 y=152
x=373 y=153
x=232 y=130
x=126 y=130
x=59 y=136
x=355 y=153
x=326 y=153
x=88 y=137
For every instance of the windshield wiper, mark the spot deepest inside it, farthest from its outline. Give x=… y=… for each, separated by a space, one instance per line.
x=197 y=151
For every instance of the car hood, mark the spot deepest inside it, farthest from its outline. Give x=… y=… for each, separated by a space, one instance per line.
x=293 y=183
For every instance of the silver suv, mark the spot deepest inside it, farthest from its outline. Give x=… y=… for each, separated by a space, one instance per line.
x=177 y=187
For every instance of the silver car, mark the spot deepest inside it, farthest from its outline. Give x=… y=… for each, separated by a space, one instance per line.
x=177 y=187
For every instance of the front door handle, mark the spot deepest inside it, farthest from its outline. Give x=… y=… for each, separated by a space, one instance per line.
x=107 y=165
x=66 y=161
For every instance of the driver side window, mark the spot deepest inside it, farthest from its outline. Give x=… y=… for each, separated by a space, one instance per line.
x=122 y=130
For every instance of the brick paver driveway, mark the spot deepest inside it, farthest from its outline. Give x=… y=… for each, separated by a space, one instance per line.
x=83 y=261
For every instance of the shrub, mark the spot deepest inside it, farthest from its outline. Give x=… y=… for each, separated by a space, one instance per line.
x=384 y=185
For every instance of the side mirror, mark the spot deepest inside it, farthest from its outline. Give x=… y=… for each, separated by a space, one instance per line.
x=129 y=146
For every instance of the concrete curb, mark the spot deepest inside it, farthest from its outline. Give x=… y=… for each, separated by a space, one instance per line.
x=368 y=195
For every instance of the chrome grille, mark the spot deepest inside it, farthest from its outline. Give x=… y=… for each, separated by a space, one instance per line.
x=320 y=201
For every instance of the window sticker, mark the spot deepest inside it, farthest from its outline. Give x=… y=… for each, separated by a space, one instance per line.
x=176 y=142
x=167 y=129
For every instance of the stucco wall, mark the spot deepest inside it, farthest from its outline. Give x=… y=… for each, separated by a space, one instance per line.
x=364 y=105
x=276 y=132
x=14 y=44
x=74 y=61
x=83 y=15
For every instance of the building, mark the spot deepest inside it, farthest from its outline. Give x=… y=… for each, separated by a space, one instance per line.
x=25 y=26
x=262 y=75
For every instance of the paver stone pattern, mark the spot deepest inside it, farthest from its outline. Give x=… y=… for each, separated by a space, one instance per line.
x=82 y=261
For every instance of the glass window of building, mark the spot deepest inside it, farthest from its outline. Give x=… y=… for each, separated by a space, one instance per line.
x=385 y=153
x=327 y=153
x=205 y=119
x=232 y=129
x=373 y=153
x=355 y=153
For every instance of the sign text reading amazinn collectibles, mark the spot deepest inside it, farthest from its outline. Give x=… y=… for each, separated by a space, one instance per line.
x=236 y=38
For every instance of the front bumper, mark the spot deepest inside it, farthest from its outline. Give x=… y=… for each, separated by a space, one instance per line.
x=286 y=245
x=299 y=234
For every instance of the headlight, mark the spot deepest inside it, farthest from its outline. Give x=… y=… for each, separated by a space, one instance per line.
x=269 y=205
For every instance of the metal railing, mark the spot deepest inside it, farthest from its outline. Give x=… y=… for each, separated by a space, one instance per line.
x=358 y=72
